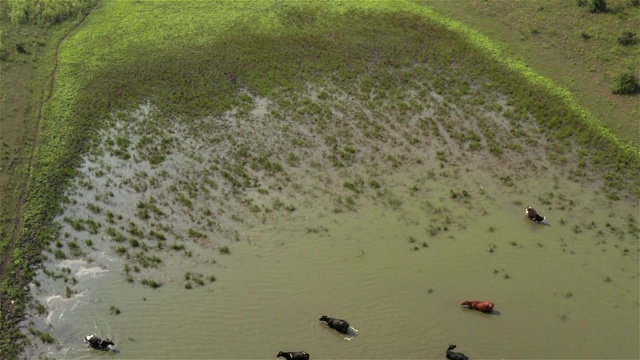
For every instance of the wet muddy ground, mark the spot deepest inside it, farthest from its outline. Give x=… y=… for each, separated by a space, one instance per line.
x=229 y=236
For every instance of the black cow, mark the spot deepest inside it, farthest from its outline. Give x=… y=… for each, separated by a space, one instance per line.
x=339 y=325
x=455 y=355
x=97 y=343
x=533 y=214
x=294 y=355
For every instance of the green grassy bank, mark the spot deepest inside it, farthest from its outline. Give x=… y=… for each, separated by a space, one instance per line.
x=536 y=80
x=194 y=58
x=30 y=33
x=580 y=50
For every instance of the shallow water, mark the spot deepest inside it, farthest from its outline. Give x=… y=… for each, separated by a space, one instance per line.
x=395 y=263
x=405 y=303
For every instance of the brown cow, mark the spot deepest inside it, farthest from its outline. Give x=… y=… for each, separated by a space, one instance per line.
x=484 y=306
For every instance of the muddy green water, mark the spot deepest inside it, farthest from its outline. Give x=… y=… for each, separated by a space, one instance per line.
x=275 y=285
x=395 y=262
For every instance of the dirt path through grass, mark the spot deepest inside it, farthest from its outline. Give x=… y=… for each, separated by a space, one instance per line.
x=45 y=95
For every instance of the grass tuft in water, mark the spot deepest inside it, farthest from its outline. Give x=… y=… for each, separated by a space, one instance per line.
x=151 y=283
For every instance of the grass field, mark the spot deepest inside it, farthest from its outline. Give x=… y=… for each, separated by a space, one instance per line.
x=26 y=76
x=566 y=43
x=192 y=59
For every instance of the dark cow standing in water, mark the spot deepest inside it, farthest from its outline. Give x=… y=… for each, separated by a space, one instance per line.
x=339 y=325
x=455 y=355
x=294 y=355
x=533 y=215
x=97 y=343
x=484 y=306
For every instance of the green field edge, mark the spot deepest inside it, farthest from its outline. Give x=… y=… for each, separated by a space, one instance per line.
x=25 y=254
x=494 y=51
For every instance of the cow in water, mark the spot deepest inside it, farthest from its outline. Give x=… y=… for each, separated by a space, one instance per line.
x=97 y=343
x=484 y=306
x=293 y=355
x=339 y=325
x=533 y=215
x=455 y=355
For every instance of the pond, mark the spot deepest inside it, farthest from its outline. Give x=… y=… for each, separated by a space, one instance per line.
x=248 y=227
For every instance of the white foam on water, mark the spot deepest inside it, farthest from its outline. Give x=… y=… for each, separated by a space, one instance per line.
x=58 y=305
x=51 y=297
x=352 y=333
x=79 y=297
x=71 y=264
x=105 y=256
x=48 y=318
x=61 y=315
x=93 y=272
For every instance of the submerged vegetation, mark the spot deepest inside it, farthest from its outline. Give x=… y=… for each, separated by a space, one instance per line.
x=273 y=89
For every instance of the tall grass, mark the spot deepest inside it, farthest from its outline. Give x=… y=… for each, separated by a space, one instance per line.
x=45 y=12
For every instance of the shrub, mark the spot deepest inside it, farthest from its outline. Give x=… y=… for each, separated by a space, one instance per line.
x=177 y=247
x=151 y=283
x=627 y=39
x=625 y=84
x=59 y=254
x=46 y=337
x=597 y=6
x=42 y=309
